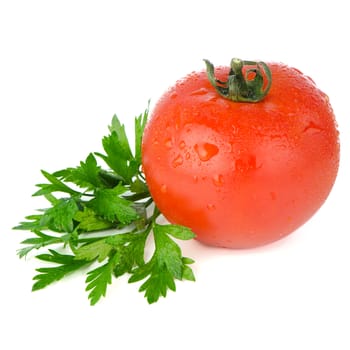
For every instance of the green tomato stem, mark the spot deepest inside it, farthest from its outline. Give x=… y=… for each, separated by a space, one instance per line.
x=248 y=81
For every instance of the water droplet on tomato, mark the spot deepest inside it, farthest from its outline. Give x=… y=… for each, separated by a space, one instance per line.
x=201 y=91
x=163 y=188
x=182 y=145
x=195 y=114
x=218 y=180
x=211 y=97
x=173 y=95
x=176 y=122
x=206 y=151
x=168 y=143
x=177 y=161
x=211 y=206
x=195 y=178
x=246 y=163
x=312 y=128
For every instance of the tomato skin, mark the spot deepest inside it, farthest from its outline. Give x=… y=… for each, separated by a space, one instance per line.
x=241 y=175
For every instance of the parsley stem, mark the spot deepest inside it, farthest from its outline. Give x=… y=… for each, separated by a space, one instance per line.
x=148 y=202
x=156 y=213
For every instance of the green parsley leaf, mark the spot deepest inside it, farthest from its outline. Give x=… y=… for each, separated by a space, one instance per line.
x=109 y=179
x=119 y=156
x=177 y=231
x=166 y=264
x=89 y=221
x=140 y=123
x=86 y=175
x=123 y=251
x=42 y=240
x=111 y=206
x=60 y=217
x=98 y=280
x=99 y=250
x=55 y=185
x=32 y=223
x=48 y=275
x=187 y=273
x=131 y=247
x=117 y=129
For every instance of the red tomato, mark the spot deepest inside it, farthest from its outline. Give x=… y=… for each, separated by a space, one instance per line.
x=241 y=174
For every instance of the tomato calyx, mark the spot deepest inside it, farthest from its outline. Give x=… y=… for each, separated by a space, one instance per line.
x=248 y=81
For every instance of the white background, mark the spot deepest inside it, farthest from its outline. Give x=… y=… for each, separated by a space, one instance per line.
x=65 y=68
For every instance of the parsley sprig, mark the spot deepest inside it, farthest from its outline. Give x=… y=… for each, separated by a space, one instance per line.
x=100 y=219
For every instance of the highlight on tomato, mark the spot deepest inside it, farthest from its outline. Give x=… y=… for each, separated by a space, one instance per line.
x=243 y=155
